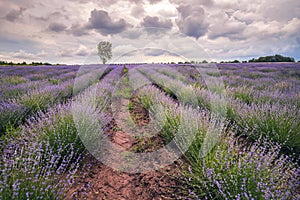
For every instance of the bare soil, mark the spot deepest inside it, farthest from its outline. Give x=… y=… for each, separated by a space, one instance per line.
x=98 y=181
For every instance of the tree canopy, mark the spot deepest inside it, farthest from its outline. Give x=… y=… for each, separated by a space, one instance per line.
x=275 y=58
x=105 y=51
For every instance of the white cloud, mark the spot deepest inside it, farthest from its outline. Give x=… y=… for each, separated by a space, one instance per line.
x=221 y=25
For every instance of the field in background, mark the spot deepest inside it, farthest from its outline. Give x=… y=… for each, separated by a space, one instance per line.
x=256 y=155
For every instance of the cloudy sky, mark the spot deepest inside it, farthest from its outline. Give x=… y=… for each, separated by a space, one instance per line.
x=68 y=31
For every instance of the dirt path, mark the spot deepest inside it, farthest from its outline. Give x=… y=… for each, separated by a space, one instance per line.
x=99 y=181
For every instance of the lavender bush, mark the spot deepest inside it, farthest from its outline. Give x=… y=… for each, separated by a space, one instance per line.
x=234 y=170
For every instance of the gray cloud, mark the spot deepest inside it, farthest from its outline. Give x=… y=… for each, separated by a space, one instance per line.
x=156 y=22
x=298 y=40
x=78 y=30
x=57 y=27
x=13 y=42
x=154 y=1
x=207 y=3
x=104 y=24
x=192 y=21
x=14 y=14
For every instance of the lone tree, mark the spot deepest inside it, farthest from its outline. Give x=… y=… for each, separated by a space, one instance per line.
x=105 y=51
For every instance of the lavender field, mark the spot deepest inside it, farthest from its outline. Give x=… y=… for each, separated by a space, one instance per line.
x=236 y=131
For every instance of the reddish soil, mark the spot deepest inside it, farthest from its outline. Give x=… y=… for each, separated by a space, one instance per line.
x=99 y=181
x=102 y=182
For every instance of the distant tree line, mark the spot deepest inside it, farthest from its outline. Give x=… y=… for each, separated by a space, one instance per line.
x=275 y=58
x=192 y=62
x=234 y=61
x=24 y=63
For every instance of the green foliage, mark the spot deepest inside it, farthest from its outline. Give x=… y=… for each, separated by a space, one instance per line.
x=59 y=130
x=275 y=58
x=243 y=96
x=231 y=171
x=215 y=74
x=125 y=91
x=4 y=63
x=54 y=81
x=104 y=51
x=125 y=70
x=14 y=80
x=267 y=121
x=37 y=101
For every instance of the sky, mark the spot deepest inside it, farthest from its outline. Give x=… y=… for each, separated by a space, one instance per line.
x=68 y=31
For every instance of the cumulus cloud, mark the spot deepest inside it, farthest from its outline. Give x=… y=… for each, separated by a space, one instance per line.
x=223 y=25
x=192 y=20
x=292 y=28
x=78 y=30
x=104 y=24
x=168 y=13
x=156 y=22
x=155 y=26
x=13 y=15
x=81 y=51
x=57 y=27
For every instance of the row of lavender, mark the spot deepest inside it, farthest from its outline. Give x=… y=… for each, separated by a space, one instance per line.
x=230 y=169
x=266 y=105
x=22 y=97
x=16 y=81
x=42 y=161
